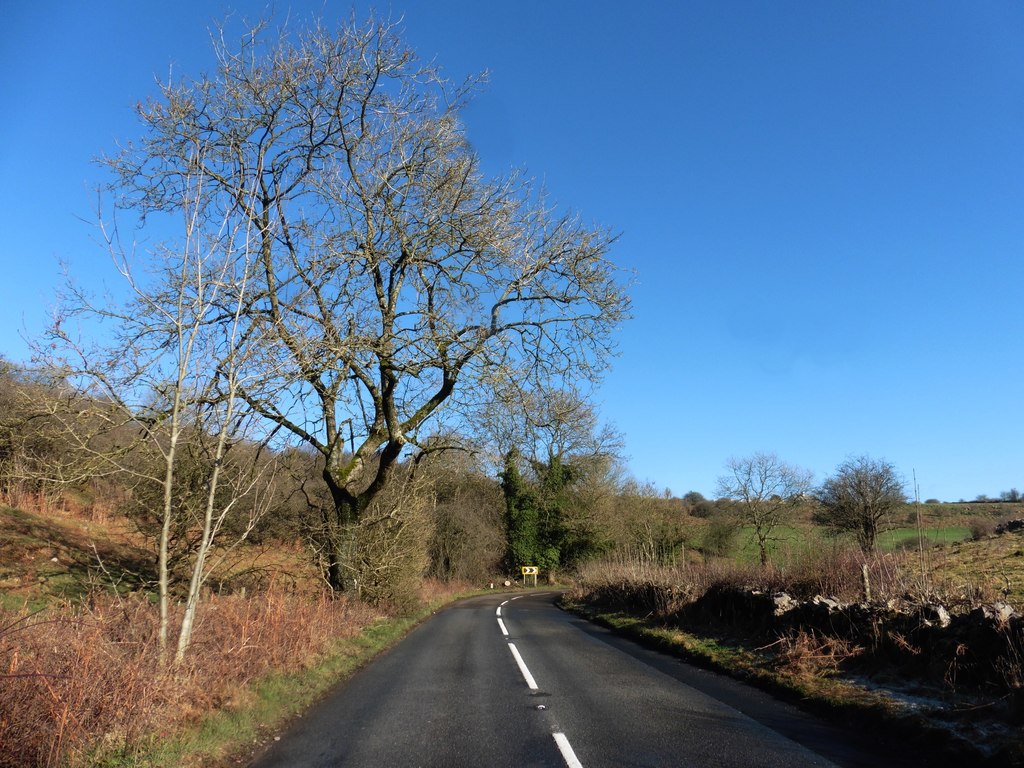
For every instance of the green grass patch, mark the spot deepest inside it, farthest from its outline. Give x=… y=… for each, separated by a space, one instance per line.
x=48 y=560
x=18 y=603
x=902 y=538
x=787 y=543
x=791 y=542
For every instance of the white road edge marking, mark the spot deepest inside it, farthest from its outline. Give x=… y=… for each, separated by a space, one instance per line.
x=522 y=667
x=566 y=749
x=498 y=612
x=502 y=625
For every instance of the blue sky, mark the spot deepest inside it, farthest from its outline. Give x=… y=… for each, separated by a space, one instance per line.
x=822 y=202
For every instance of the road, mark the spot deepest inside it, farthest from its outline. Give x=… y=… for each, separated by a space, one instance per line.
x=514 y=681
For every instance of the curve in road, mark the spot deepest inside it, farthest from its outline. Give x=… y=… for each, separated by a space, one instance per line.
x=515 y=681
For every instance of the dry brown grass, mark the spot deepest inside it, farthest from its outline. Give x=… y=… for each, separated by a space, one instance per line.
x=77 y=680
x=959 y=575
x=436 y=591
x=989 y=569
x=812 y=654
x=663 y=590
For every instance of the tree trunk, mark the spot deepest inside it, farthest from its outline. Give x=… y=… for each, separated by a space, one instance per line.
x=865 y=583
x=340 y=529
x=341 y=571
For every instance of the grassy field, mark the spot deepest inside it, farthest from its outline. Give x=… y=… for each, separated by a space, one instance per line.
x=793 y=541
x=954 y=565
x=45 y=559
x=904 y=538
x=990 y=569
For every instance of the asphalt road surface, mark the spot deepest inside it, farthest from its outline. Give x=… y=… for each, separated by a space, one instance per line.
x=514 y=681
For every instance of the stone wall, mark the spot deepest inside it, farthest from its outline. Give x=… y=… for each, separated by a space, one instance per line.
x=983 y=648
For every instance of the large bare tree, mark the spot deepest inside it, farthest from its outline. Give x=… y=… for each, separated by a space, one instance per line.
x=396 y=281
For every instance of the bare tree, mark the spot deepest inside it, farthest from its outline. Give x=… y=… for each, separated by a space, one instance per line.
x=768 y=491
x=653 y=529
x=167 y=371
x=396 y=282
x=860 y=497
x=221 y=420
x=33 y=460
x=543 y=422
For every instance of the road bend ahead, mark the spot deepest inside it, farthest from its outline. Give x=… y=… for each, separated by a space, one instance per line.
x=514 y=681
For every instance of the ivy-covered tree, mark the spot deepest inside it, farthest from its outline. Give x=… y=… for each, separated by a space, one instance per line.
x=522 y=515
x=545 y=519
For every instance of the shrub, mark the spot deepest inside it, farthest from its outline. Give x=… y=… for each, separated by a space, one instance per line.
x=80 y=682
x=813 y=654
x=982 y=528
x=720 y=536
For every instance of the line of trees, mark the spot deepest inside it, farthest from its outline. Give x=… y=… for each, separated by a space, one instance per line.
x=451 y=514
x=541 y=485
x=859 y=498
x=1012 y=496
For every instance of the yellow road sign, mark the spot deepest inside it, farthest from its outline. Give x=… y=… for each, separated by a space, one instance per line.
x=530 y=570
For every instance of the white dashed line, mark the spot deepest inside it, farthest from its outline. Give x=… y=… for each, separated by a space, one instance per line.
x=522 y=667
x=566 y=749
x=571 y=761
